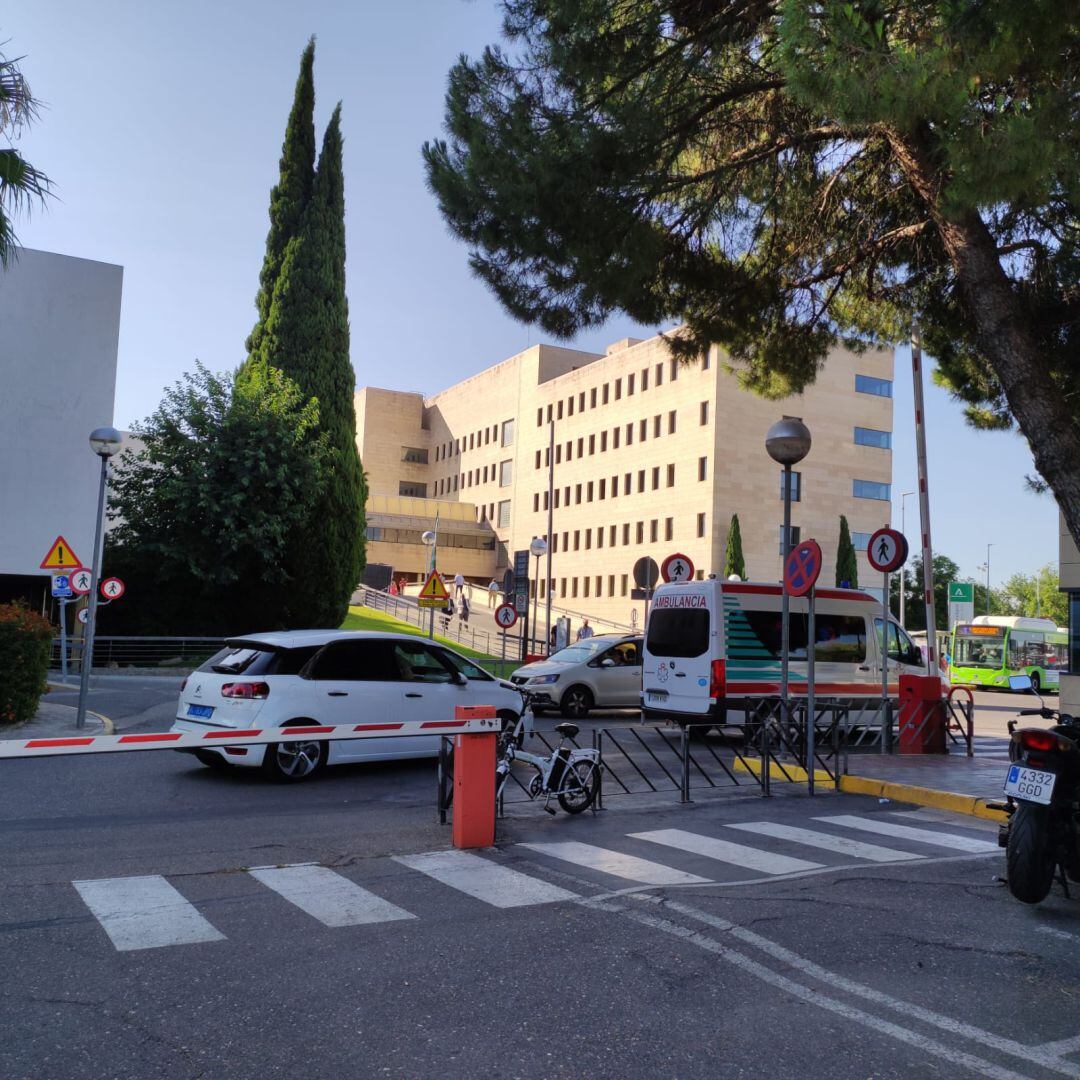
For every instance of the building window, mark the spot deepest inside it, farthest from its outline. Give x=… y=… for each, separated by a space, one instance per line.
x=701 y=525
x=557 y=493
x=611 y=584
x=570 y=451
x=615 y=487
x=577 y=494
x=702 y=468
x=656 y=477
x=599 y=582
x=867 y=384
x=536 y=466
x=626 y=534
x=554 y=543
x=549 y=414
x=536 y=503
x=618 y=389
x=671 y=422
x=704 y=413
x=641 y=480
x=581 y=402
x=558 y=410
x=630 y=434
x=588 y=539
x=585 y=585
x=414 y=455
x=581 y=447
x=603 y=488
x=611 y=535
x=570 y=405
x=865 y=436
x=412 y=490
x=640 y=532
x=577 y=539
x=644 y=379
x=562 y=587
x=659 y=375
x=671 y=476
x=870 y=489
x=656 y=426
x=795 y=485
x=605 y=394
x=628 y=484
x=506 y=472
x=615 y=438
x=629 y=393
x=603 y=441
x=504 y=514
x=669 y=528
x=558 y=454
x=624 y=584
x=540 y=416
x=589 y=491
x=860 y=541
x=592 y=398
x=573 y=588
x=592 y=445
x=654 y=533
x=643 y=430
x=794 y=536
x=600 y=537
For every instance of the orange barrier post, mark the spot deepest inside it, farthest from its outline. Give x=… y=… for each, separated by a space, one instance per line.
x=922 y=725
x=474 y=781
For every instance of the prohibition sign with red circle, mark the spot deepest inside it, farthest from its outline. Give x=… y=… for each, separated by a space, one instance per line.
x=802 y=568
x=887 y=550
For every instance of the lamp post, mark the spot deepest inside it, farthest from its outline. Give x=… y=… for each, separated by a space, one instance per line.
x=104 y=441
x=903 y=573
x=538 y=548
x=787 y=443
x=988 y=547
x=430 y=539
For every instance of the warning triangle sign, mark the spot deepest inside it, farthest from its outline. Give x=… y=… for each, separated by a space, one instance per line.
x=61 y=557
x=434 y=589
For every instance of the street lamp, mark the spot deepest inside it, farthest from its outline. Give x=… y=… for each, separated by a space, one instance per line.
x=538 y=548
x=903 y=573
x=104 y=441
x=787 y=442
x=430 y=539
x=988 y=547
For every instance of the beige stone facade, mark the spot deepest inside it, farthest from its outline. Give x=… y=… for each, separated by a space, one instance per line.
x=1069 y=579
x=651 y=457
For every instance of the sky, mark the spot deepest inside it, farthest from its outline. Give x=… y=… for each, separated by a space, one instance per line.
x=162 y=131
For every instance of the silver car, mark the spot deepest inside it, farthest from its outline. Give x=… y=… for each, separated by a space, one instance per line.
x=598 y=672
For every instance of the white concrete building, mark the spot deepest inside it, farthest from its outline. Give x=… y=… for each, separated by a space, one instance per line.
x=59 y=331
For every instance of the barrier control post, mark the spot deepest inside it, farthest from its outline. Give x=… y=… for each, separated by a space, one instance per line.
x=922 y=723
x=474 y=781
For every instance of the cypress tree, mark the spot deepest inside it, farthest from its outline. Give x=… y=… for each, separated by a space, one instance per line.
x=847 y=565
x=734 y=563
x=290 y=195
x=306 y=335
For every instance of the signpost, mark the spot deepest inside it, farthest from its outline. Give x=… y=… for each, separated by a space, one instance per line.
x=646 y=575
x=961 y=603
x=433 y=593
x=521 y=595
x=61 y=590
x=801 y=571
x=887 y=551
x=505 y=617
x=676 y=568
x=60 y=559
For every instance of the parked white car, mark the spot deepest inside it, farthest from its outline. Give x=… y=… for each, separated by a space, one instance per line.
x=595 y=673
x=332 y=677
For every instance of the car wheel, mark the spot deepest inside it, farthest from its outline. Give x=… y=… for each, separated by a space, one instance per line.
x=1035 y=683
x=211 y=760
x=576 y=702
x=294 y=762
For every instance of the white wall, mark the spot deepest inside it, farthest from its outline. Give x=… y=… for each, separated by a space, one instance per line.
x=59 y=329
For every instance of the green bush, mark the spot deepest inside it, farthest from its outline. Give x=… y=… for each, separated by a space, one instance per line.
x=25 y=647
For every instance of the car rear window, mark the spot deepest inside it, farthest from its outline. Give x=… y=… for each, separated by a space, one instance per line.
x=678 y=632
x=248 y=660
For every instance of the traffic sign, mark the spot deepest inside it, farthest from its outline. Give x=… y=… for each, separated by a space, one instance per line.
x=83 y=615
x=61 y=585
x=676 y=568
x=505 y=616
x=961 y=592
x=434 y=593
x=646 y=573
x=887 y=550
x=802 y=568
x=112 y=588
x=61 y=557
x=521 y=581
x=80 y=581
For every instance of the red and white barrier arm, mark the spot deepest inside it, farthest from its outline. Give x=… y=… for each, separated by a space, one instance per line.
x=180 y=740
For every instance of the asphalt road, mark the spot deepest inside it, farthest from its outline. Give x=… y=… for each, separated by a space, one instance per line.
x=672 y=954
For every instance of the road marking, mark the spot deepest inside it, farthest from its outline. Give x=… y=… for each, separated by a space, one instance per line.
x=766 y=862
x=1046 y=1056
x=144 y=913
x=1054 y=932
x=615 y=863
x=843 y=845
x=978 y=1065
x=332 y=899
x=496 y=885
x=908 y=832
x=1062 y=1047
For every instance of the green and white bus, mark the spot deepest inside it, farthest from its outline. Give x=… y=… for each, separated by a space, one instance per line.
x=986 y=651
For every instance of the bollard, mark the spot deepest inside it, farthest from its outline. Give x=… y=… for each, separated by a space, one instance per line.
x=474 y=782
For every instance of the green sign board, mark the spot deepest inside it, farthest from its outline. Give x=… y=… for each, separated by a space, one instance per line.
x=961 y=592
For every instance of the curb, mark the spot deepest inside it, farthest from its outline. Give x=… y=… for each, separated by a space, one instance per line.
x=106 y=723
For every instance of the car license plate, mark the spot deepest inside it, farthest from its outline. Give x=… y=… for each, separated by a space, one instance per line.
x=203 y=711
x=1031 y=785
x=657 y=697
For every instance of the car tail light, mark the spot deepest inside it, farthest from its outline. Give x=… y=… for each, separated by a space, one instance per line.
x=718 y=679
x=182 y=685
x=248 y=691
x=1038 y=740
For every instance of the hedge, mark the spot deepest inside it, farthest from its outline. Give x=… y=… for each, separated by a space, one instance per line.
x=25 y=649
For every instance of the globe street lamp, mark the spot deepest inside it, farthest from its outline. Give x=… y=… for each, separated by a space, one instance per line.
x=430 y=538
x=104 y=441
x=538 y=548
x=787 y=443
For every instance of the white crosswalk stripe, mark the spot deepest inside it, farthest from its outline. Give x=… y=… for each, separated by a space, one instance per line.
x=616 y=863
x=842 y=845
x=332 y=899
x=765 y=862
x=908 y=832
x=144 y=913
x=485 y=880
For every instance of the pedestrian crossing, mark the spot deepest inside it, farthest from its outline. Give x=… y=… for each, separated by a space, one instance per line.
x=149 y=912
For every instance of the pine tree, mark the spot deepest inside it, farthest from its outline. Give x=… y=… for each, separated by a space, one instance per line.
x=291 y=195
x=847 y=565
x=734 y=563
x=306 y=335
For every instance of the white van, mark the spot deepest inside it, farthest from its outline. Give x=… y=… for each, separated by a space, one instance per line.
x=710 y=642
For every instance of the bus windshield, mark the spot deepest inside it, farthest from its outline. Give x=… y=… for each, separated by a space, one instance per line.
x=984 y=651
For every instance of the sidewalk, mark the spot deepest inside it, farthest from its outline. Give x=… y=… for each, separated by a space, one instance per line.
x=54 y=720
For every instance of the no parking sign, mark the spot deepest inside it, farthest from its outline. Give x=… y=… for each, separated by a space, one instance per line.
x=802 y=568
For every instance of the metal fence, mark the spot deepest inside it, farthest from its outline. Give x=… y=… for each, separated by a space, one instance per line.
x=180 y=653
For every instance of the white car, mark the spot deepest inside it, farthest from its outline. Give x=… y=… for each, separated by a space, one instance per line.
x=597 y=672
x=332 y=677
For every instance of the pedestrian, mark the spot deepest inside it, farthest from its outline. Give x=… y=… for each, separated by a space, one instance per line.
x=585 y=631
x=447 y=613
x=493 y=593
x=401 y=586
x=459 y=583
x=393 y=588
x=553 y=639
x=463 y=611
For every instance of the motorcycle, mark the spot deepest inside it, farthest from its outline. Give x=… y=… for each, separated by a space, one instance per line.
x=1042 y=789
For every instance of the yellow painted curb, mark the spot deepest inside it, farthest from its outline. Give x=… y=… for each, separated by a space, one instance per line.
x=922 y=796
x=796 y=773
x=110 y=727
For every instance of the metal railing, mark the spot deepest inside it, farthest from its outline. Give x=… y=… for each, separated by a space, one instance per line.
x=181 y=653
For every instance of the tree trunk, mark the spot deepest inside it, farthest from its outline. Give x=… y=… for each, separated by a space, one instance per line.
x=1002 y=329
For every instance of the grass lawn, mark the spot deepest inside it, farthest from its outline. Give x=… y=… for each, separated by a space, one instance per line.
x=362 y=618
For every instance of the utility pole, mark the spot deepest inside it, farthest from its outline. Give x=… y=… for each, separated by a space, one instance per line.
x=988 y=547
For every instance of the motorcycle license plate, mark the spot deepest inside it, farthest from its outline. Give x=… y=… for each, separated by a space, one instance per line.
x=1031 y=785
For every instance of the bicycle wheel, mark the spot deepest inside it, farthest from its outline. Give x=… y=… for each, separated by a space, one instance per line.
x=580 y=785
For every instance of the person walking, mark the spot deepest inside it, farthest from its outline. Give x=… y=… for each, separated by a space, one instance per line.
x=585 y=631
x=447 y=613
x=493 y=593
x=393 y=588
x=463 y=610
x=459 y=583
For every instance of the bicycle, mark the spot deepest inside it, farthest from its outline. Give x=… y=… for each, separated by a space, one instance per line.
x=572 y=775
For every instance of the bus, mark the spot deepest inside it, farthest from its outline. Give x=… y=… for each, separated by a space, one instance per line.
x=990 y=648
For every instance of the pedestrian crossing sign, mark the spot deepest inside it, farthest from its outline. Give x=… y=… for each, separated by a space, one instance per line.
x=434 y=593
x=61 y=557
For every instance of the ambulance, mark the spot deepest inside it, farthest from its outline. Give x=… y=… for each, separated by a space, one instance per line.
x=710 y=644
